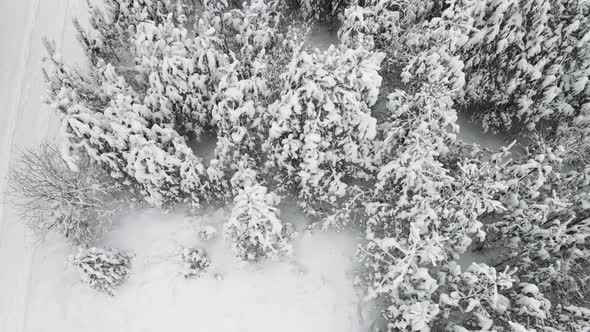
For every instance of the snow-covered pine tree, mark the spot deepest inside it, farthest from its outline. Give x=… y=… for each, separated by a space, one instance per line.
x=239 y=119
x=538 y=237
x=252 y=29
x=545 y=229
x=195 y=262
x=528 y=61
x=103 y=118
x=427 y=204
x=475 y=299
x=441 y=35
x=102 y=269
x=424 y=213
x=321 y=130
x=254 y=227
x=112 y=23
x=135 y=109
x=179 y=74
x=383 y=23
x=360 y=27
x=402 y=30
x=242 y=93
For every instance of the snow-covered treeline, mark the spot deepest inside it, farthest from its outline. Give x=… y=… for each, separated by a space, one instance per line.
x=363 y=135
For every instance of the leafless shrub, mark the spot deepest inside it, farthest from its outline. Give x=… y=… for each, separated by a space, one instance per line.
x=50 y=196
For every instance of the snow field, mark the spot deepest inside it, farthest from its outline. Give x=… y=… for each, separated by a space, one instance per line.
x=312 y=291
x=24 y=121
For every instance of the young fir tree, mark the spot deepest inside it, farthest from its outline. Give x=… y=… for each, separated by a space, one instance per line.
x=178 y=74
x=102 y=269
x=383 y=23
x=243 y=92
x=254 y=228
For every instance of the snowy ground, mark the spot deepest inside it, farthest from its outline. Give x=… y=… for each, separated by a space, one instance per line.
x=310 y=292
x=24 y=121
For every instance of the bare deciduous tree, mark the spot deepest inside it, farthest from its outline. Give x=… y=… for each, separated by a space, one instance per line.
x=50 y=196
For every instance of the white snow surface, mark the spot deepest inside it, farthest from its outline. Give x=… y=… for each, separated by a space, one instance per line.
x=311 y=291
x=24 y=121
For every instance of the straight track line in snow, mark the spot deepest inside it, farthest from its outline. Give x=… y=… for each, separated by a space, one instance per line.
x=29 y=280
x=64 y=25
x=32 y=255
x=26 y=68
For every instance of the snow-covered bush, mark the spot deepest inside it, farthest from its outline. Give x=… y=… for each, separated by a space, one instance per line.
x=195 y=262
x=321 y=130
x=254 y=228
x=102 y=269
x=78 y=205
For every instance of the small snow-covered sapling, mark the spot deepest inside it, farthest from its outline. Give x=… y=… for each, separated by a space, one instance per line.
x=207 y=232
x=196 y=262
x=102 y=269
